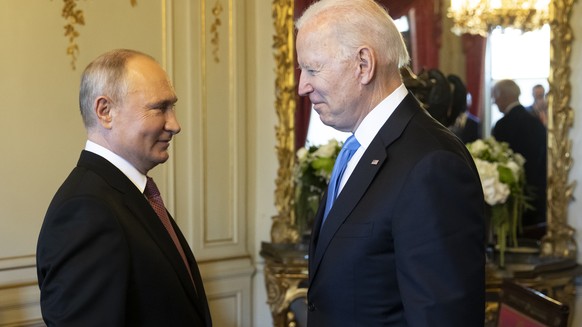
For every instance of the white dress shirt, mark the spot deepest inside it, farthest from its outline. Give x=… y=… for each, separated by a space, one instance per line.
x=126 y=168
x=370 y=127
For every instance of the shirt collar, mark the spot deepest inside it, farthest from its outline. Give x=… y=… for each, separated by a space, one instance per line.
x=126 y=168
x=372 y=123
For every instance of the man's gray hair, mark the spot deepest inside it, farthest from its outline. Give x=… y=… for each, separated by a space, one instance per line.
x=507 y=88
x=104 y=76
x=359 y=22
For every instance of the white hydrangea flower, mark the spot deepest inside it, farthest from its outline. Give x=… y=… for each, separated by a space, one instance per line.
x=490 y=156
x=326 y=150
x=515 y=169
x=302 y=154
x=478 y=147
x=494 y=191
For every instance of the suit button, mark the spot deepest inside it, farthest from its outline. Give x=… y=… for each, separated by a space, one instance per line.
x=311 y=306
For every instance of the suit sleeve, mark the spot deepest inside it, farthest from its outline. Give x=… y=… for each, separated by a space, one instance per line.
x=83 y=265
x=439 y=232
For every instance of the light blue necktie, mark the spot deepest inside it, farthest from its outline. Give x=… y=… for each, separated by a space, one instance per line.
x=346 y=153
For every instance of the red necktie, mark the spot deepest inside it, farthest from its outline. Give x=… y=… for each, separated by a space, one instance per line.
x=155 y=199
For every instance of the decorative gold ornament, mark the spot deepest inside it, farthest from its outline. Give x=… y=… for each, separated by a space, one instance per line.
x=283 y=229
x=283 y=287
x=559 y=240
x=481 y=16
x=216 y=11
x=285 y=275
x=75 y=18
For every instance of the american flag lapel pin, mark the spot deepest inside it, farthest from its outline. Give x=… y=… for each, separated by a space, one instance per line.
x=375 y=162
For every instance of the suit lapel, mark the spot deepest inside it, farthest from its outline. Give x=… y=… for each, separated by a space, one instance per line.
x=369 y=165
x=147 y=217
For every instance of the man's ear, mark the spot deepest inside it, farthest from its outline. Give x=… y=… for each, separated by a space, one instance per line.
x=366 y=64
x=103 y=109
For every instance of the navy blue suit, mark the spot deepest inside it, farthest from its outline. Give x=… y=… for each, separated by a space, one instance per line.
x=403 y=244
x=105 y=259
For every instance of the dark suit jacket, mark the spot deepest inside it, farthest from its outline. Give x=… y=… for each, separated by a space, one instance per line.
x=470 y=132
x=527 y=135
x=105 y=259
x=403 y=244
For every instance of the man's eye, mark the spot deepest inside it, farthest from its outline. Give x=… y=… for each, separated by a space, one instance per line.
x=310 y=71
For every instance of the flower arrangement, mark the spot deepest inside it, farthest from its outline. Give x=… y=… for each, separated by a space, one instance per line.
x=312 y=174
x=503 y=179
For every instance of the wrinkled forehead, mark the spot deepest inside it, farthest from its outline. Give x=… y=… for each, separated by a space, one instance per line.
x=317 y=39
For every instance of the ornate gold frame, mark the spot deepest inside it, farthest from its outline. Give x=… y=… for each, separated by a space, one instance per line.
x=559 y=240
x=283 y=230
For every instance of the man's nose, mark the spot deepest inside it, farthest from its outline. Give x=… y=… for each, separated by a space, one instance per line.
x=304 y=86
x=172 y=124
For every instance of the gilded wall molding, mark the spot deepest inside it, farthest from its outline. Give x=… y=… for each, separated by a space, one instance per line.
x=283 y=229
x=559 y=240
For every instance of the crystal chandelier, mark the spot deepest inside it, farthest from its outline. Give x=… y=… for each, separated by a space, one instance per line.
x=481 y=16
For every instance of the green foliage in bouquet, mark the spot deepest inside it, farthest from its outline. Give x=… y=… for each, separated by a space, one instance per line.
x=312 y=174
x=503 y=180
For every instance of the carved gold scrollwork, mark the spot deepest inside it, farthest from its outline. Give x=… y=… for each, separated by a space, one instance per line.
x=74 y=18
x=283 y=287
x=275 y=291
x=559 y=240
x=283 y=228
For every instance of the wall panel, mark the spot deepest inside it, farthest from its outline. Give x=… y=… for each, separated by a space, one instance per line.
x=211 y=155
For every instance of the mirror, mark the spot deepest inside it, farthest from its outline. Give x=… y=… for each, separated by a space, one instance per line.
x=559 y=239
